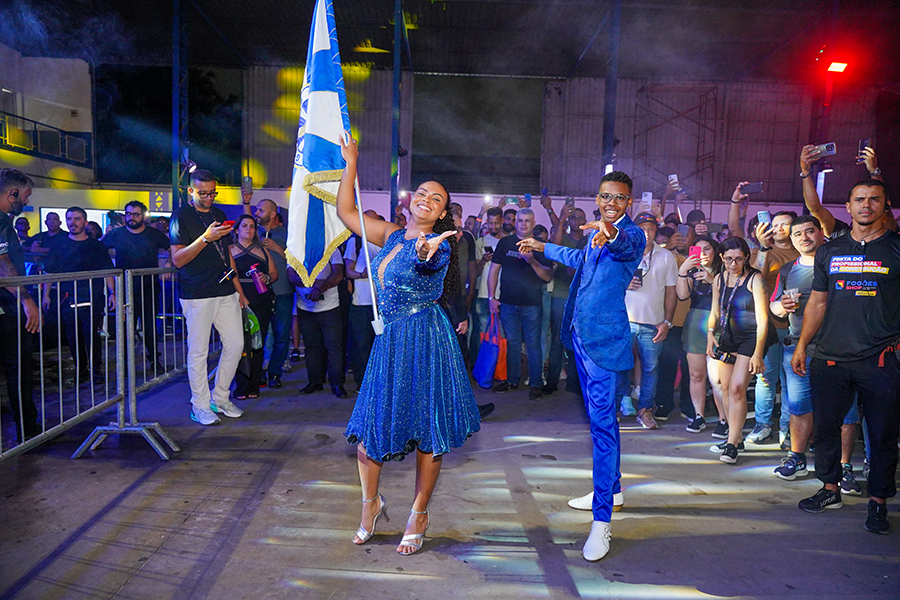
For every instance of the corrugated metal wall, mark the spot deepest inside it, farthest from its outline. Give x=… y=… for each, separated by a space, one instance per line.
x=712 y=135
x=272 y=113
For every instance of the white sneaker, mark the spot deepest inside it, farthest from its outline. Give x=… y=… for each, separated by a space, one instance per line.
x=597 y=544
x=227 y=408
x=636 y=392
x=586 y=502
x=204 y=416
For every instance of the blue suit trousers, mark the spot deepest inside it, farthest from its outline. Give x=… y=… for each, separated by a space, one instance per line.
x=599 y=388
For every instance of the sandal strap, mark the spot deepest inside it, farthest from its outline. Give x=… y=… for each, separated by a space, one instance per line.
x=377 y=496
x=415 y=512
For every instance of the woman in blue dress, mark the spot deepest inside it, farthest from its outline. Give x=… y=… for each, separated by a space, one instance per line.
x=416 y=396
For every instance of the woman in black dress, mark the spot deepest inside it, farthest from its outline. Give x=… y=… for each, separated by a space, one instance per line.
x=249 y=254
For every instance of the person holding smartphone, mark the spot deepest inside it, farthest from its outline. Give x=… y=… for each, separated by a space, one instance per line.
x=738 y=334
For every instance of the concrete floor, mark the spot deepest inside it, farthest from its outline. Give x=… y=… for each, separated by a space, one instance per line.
x=265 y=506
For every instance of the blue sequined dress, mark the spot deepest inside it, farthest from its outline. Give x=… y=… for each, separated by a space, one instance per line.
x=416 y=391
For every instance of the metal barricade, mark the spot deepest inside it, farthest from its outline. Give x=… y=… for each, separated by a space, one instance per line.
x=70 y=303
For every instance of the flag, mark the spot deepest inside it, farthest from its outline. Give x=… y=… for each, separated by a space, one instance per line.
x=315 y=231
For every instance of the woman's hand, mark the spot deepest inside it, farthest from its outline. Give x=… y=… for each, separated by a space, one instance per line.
x=710 y=344
x=691 y=262
x=757 y=365
x=426 y=248
x=349 y=149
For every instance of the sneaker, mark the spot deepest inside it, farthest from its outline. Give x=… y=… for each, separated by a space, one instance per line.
x=866 y=468
x=720 y=447
x=877 y=521
x=227 y=408
x=504 y=386
x=792 y=467
x=662 y=415
x=645 y=418
x=721 y=431
x=786 y=442
x=295 y=355
x=760 y=434
x=627 y=407
x=636 y=392
x=849 y=485
x=204 y=416
x=485 y=409
x=534 y=393
x=729 y=454
x=548 y=388
x=821 y=501
x=586 y=502
x=696 y=426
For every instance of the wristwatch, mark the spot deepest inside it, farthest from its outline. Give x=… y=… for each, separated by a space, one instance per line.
x=203 y=237
x=877 y=171
x=668 y=323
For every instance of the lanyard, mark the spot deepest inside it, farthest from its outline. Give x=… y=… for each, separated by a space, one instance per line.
x=215 y=243
x=649 y=259
x=725 y=308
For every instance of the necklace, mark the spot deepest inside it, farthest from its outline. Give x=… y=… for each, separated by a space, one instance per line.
x=862 y=240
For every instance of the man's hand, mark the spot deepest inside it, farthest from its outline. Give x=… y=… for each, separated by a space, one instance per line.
x=764 y=234
x=808 y=155
x=246 y=197
x=737 y=196
x=546 y=202
x=486 y=258
x=676 y=242
x=45 y=302
x=790 y=304
x=798 y=361
x=530 y=245
x=662 y=330
x=635 y=284
x=463 y=327
x=32 y=315
x=349 y=149
x=701 y=229
x=111 y=300
x=869 y=158
x=426 y=248
x=604 y=232
x=216 y=231
x=494 y=305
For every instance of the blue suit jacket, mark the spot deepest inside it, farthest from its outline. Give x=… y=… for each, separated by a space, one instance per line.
x=597 y=295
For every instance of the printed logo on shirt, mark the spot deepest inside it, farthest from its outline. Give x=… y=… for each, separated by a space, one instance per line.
x=4 y=247
x=856 y=264
x=861 y=288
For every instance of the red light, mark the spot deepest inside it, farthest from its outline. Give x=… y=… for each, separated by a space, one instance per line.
x=837 y=67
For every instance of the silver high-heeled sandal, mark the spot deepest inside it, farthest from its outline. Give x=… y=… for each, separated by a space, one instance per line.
x=364 y=535
x=414 y=540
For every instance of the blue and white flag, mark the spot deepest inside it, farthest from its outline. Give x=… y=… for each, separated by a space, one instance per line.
x=315 y=231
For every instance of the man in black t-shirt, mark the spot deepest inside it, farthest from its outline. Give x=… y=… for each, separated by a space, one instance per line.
x=81 y=303
x=522 y=276
x=854 y=307
x=137 y=246
x=211 y=296
x=40 y=242
x=16 y=336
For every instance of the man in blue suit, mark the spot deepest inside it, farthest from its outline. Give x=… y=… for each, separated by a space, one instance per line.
x=595 y=326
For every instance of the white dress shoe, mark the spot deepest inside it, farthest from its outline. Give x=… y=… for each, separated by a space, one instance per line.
x=586 y=502
x=597 y=544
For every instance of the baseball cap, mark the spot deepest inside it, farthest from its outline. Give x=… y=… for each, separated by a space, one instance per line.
x=646 y=217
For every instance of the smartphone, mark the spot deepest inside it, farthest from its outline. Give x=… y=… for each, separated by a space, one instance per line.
x=489 y=249
x=647 y=197
x=862 y=146
x=488 y=200
x=527 y=201
x=764 y=217
x=510 y=200
x=694 y=252
x=639 y=274
x=829 y=149
x=683 y=230
x=228 y=223
x=752 y=188
x=544 y=192
x=674 y=179
x=246 y=185
x=714 y=227
x=570 y=201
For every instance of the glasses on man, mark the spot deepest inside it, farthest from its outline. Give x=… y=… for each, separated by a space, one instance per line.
x=619 y=199
x=133 y=214
x=734 y=260
x=207 y=194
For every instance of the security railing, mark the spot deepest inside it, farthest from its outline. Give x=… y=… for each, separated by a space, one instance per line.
x=33 y=137
x=147 y=332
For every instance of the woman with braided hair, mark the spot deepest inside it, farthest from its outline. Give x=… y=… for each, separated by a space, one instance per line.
x=416 y=396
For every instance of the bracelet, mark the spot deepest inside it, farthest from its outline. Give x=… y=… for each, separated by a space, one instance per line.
x=477 y=220
x=247 y=203
x=764 y=249
x=712 y=330
x=802 y=176
x=685 y=276
x=738 y=202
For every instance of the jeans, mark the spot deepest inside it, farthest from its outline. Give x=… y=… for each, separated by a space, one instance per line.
x=522 y=323
x=643 y=335
x=546 y=304
x=766 y=383
x=201 y=315
x=481 y=316
x=322 y=339
x=672 y=353
x=281 y=333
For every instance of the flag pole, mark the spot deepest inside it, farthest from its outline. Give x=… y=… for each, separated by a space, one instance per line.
x=377 y=322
